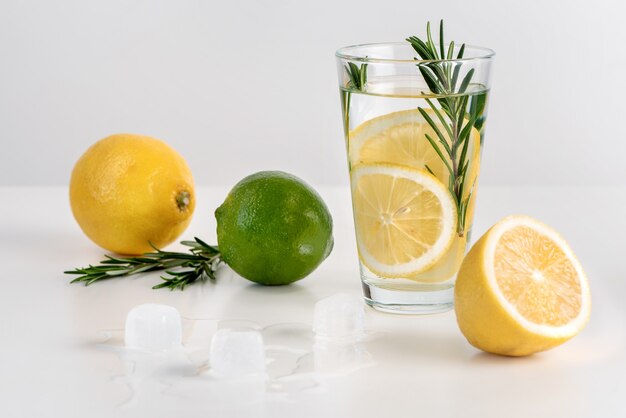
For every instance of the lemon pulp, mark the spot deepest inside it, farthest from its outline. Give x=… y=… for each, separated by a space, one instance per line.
x=404 y=218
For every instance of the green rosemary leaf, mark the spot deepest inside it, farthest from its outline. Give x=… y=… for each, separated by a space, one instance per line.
x=464 y=168
x=463 y=213
x=466 y=81
x=466 y=203
x=439 y=153
x=134 y=260
x=431 y=82
x=352 y=69
x=166 y=283
x=430 y=77
x=460 y=116
x=121 y=272
x=189 y=243
x=473 y=108
x=363 y=74
x=465 y=132
x=437 y=112
x=435 y=127
x=167 y=265
x=462 y=176
x=115 y=260
x=451 y=187
x=76 y=280
x=441 y=43
x=477 y=108
x=418 y=47
x=441 y=76
x=353 y=72
x=445 y=106
x=429 y=169
x=177 y=273
x=357 y=76
x=445 y=145
x=208 y=270
x=178 y=256
x=447 y=66
x=430 y=43
x=204 y=244
x=450 y=51
x=455 y=76
x=346 y=96
x=479 y=123
x=421 y=48
x=461 y=52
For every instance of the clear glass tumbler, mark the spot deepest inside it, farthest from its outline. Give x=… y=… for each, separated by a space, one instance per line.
x=414 y=131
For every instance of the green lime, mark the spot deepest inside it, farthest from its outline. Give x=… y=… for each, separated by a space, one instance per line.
x=273 y=228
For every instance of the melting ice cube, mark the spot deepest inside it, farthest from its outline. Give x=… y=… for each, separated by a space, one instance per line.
x=153 y=327
x=237 y=352
x=339 y=316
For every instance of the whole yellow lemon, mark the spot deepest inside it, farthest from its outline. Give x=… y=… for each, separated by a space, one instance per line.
x=128 y=191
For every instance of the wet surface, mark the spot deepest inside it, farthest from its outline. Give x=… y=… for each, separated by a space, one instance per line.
x=296 y=361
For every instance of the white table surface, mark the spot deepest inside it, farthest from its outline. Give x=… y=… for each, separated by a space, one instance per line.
x=52 y=366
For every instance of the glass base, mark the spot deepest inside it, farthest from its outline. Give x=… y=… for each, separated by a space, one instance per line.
x=421 y=299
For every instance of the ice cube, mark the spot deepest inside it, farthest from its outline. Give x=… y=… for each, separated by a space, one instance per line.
x=153 y=327
x=237 y=352
x=339 y=316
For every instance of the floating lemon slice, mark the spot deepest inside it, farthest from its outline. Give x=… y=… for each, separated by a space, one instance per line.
x=400 y=138
x=405 y=218
x=521 y=289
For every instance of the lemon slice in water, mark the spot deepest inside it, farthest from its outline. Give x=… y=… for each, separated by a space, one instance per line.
x=405 y=218
x=400 y=138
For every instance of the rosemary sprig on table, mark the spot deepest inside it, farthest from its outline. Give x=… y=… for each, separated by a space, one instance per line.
x=451 y=144
x=199 y=264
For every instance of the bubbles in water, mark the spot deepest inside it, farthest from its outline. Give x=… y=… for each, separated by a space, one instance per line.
x=237 y=352
x=339 y=316
x=153 y=327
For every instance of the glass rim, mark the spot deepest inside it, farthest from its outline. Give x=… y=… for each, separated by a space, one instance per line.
x=487 y=54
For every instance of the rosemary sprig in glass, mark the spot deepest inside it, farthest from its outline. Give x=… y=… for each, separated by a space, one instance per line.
x=454 y=126
x=182 y=269
x=357 y=78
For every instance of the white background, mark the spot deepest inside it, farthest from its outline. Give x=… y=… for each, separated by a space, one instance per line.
x=239 y=87
x=243 y=86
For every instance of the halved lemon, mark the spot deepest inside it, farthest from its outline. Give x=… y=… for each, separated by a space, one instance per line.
x=405 y=218
x=521 y=289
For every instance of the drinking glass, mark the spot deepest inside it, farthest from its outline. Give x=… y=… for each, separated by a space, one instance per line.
x=414 y=131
